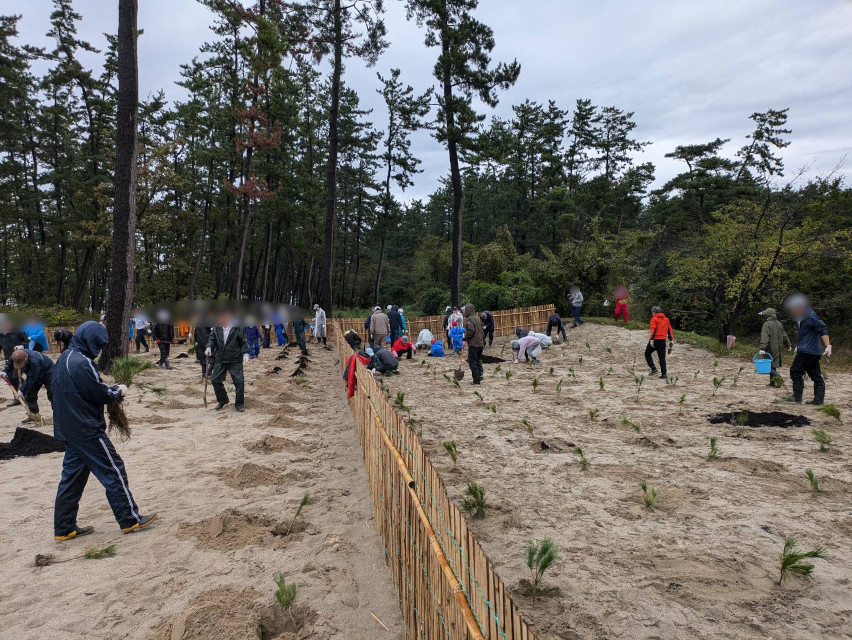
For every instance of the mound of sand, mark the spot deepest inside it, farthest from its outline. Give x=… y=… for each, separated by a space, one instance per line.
x=272 y=444
x=250 y=475
x=229 y=530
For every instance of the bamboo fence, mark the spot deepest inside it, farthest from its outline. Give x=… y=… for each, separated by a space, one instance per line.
x=447 y=586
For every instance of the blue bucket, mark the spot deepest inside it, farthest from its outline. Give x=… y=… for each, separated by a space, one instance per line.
x=763 y=364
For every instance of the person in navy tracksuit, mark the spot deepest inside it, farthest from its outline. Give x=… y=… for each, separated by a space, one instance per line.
x=79 y=397
x=32 y=369
x=253 y=337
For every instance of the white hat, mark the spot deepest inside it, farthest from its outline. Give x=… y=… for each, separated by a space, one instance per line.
x=400 y=309
x=390 y=306
x=377 y=308
x=316 y=306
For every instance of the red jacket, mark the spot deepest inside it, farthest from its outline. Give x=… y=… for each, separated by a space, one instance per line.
x=399 y=346
x=351 y=366
x=661 y=328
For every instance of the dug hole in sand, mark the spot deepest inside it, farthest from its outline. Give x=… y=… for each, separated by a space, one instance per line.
x=225 y=487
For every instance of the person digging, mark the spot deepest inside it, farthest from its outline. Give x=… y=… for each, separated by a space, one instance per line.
x=32 y=370
x=79 y=398
x=229 y=347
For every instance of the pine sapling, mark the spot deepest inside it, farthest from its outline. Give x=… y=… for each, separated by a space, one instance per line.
x=540 y=556
x=306 y=501
x=813 y=480
x=601 y=383
x=498 y=368
x=452 y=450
x=831 y=411
x=714 y=449
x=479 y=396
x=534 y=384
x=527 y=424
x=473 y=502
x=742 y=418
x=695 y=375
x=672 y=381
x=594 y=413
x=588 y=346
x=717 y=384
x=572 y=373
x=551 y=370
x=493 y=408
x=791 y=560
x=649 y=495
x=629 y=423
x=823 y=438
x=737 y=377
x=638 y=381
x=558 y=390
x=508 y=376
x=580 y=360
x=285 y=594
x=581 y=458
x=93 y=553
x=680 y=402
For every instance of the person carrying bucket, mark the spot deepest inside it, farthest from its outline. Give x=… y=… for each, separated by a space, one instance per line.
x=773 y=339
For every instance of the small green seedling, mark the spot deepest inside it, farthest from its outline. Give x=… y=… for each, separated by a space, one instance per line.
x=830 y=410
x=452 y=450
x=527 y=424
x=742 y=418
x=672 y=382
x=629 y=423
x=493 y=408
x=508 y=376
x=638 y=381
x=609 y=349
x=558 y=390
x=823 y=438
x=551 y=370
x=717 y=384
x=473 y=502
x=534 y=384
x=285 y=594
x=572 y=373
x=680 y=402
x=498 y=368
x=594 y=413
x=588 y=346
x=813 y=480
x=93 y=553
x=715 y=364
x=455 y=383
x=778 y=381
x=737 y=376
x=791 y=560
x=581 y=458
x=580 y=360
x=306 y=501
x=601 y=383
x=479 y=396
x=540 y=556
x=714 y=449
x=649 y=495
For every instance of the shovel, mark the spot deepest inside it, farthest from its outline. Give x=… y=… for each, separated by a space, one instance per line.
x=206 y=380
x=20 y=397
x=459 y=373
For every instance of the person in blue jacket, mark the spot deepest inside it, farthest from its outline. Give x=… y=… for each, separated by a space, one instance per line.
x=280 y=334
x=437 y=349
x=457 y=337
x=813 y=344
x=33 y=371
x=34 y=328
x=253 y=336
x=79 y=397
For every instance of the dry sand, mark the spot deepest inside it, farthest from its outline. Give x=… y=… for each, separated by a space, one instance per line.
x=225 y=487
x=704 y=563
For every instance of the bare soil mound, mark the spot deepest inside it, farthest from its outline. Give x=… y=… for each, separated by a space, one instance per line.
x=28 y=442
x=273 y=444
x=250 y=475
x=229 y=530
x=745 y=418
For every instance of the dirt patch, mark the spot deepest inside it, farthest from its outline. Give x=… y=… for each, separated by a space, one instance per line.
x=743 y=418
x=222 y=614
x=273 y=444
x=153 y=419
x=283 y=419
x=553 y=445
x=250 y=475
x=232 y=529
x=177 y=405
x=27 y=442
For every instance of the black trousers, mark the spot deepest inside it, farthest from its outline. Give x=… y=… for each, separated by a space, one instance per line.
x=807 y=363
x=165 y=349
x=474 y=361
x=140 y=339
x=266 y=337
x=202 y=358
x=560 y=328
x=408 y=351
x=31 y=393
x=99 y=457
x=488 y=334
x=217 y=377
x=660 y=348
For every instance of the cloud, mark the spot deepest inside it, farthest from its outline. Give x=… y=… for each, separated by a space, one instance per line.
x=691 y=71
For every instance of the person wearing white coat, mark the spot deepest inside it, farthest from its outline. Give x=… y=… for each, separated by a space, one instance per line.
x=319 y=325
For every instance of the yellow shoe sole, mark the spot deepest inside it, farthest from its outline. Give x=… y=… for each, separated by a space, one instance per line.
x=138 y=526
x=72 y=535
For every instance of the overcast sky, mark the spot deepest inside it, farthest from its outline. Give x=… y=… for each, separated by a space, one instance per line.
x=691 y=70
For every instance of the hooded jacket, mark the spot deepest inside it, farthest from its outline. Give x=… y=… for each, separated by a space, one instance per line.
x=487 y=320
x=231 y=350
x=437 y=349
x=37 y=370
x=661 y=328
x=79 y=394
x=8 y=342
x=383 y=361
x=424 y=339
x=773 y=338
x=319 y=324
x=163 y=332
x=473 y=331
x=379 y=324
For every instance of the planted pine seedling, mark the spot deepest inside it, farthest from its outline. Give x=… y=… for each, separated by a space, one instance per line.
x=717 y=384
x=581 y=458
x=680 y=402
x=715 y=364
x=742 y=418
x=493 y=408
x=479 y=396
x=473 y=502
x=124 y=370
x=306 y=501
x=609 y=349
x=498 y=368
x=588 y=346
x=737 y=377
x=649 y=495
x=695 y=375
x=446 y=377
x=714 y=449
x=452 y=450
x=638 y=381
x=813 y=480
x=534 y=384
x=830 y=410
x=93 y=553
x=455 y=382
x=594 y=413
x=551 y=370
x=629 y=423
x=580 y=360
x=823 y=438
x=558 y=390
x=672 y=382
x=399 y=401
x=508 y=376
x=540 y=556
x=791 y=560
x=527 y=424
x=285 y=594
x=601 y=383
x=572 y=373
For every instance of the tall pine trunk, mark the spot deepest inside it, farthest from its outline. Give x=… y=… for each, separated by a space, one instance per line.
x=455 y=175
x=325 y=284
x=124 y=213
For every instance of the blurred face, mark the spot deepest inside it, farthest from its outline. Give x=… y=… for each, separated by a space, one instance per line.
x=225 y=319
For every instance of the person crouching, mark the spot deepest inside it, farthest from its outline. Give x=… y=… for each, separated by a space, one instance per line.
x=404 y=346
x=33 y=370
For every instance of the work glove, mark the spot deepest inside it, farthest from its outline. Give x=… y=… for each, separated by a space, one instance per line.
x=4 y=375
x=650 y=343
x=123 y=390
x=208 y=352
x=761 y=353
x=245 y=358
x=827 y=352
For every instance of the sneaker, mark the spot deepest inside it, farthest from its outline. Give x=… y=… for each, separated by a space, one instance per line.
x=240 y=408
x=144 y=521
x=653 y=372
x=76 y=533
x=219 y=406
x=815 y=402
x=167 y=365
x=27 y=420
x=14 y=403
x=663 y=376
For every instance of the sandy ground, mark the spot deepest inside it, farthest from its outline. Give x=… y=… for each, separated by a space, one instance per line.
x=705 y=562
x=223 y=485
